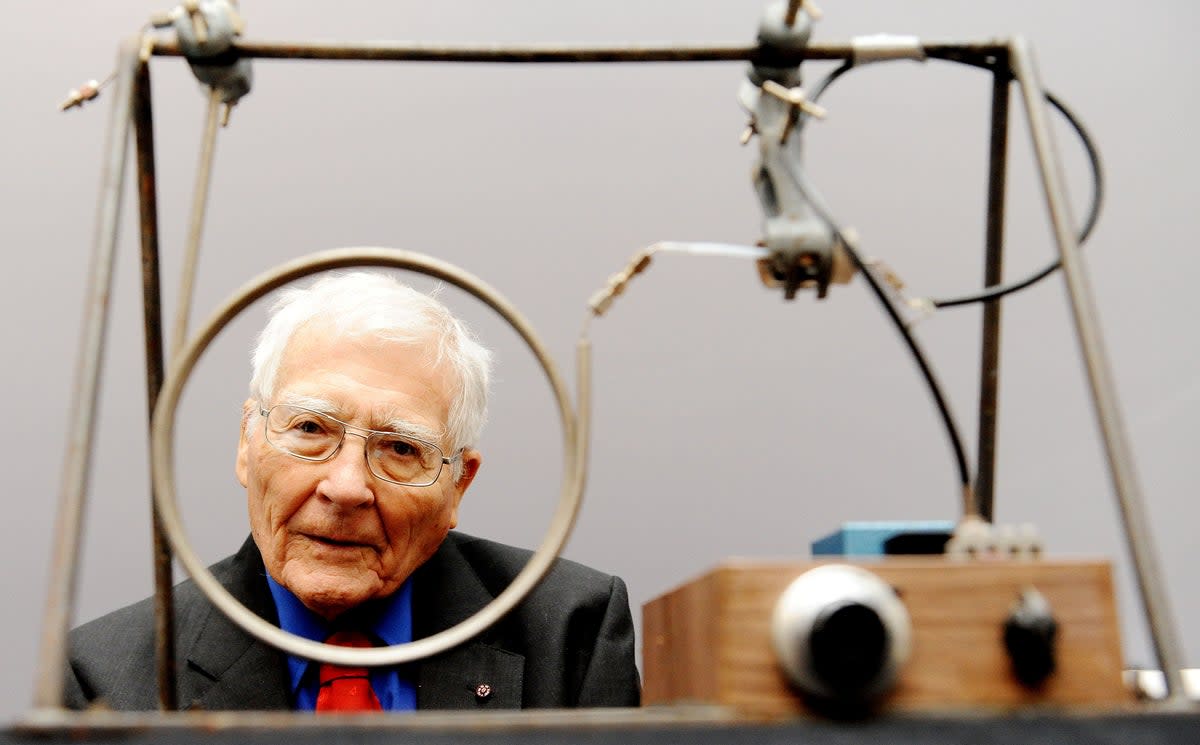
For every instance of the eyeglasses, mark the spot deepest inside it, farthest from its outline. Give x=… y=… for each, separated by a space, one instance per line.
x=391 y=456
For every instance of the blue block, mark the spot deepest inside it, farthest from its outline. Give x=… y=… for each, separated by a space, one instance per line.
x=868 y=538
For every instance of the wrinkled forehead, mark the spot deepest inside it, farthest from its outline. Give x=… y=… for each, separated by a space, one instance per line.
x=316 y=339
x=320 y=355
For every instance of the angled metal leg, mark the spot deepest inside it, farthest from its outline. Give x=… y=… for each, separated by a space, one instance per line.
x=1120 y=459
x=48 y=689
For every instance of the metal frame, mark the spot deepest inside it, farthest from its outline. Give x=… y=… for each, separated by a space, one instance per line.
x=132 y=106
x=164 y=608
x=989 y=353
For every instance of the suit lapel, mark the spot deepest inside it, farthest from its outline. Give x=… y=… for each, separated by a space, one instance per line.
x=245 y=674
x=224 y=667
x=480 y=674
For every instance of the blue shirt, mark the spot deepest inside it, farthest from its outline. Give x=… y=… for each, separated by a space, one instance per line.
x=390 y=621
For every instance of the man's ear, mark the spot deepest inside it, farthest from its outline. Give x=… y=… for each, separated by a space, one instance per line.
x=471 y=461
x=243 y=450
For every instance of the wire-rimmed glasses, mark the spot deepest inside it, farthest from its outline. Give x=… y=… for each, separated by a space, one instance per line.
x=392 y=456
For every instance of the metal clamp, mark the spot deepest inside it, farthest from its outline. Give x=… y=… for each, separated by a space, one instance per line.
x=804 y=247
x=207 y=30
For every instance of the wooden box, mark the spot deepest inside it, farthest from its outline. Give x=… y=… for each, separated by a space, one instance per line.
x=709 y=640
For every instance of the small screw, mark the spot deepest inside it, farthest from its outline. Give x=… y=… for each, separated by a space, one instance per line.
x=199 y=22
x=750 y=130
x=483 y=691
x=794 y=96
x=84 y=93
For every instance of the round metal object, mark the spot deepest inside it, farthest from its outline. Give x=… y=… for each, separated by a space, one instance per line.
x=163 y=472
x=841 y=633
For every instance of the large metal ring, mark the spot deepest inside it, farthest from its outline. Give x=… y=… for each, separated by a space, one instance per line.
x=163 y=471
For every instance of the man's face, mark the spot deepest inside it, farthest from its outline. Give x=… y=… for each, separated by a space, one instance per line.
x=333 y=533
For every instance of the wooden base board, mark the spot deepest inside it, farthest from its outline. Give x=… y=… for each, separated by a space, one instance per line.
x=709 y=640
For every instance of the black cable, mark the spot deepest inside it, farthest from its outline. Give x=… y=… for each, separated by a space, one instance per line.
x=988 y=62
x=829 y=79
x=820 y=88
x=931 y=380
x=1093 y=155
x=989 y=293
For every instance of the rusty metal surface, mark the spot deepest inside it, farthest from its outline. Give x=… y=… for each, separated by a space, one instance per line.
x=651 y=725
x=989 y=364
x=164 y=605
x=48 y=687
x=1083 y=309
x=100 y=721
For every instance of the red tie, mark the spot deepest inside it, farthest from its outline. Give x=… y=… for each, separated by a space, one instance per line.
x=346 y=688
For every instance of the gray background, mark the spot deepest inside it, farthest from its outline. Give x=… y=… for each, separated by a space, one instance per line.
x=727 y=422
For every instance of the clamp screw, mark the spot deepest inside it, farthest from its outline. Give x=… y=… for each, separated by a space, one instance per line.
x=794 y=96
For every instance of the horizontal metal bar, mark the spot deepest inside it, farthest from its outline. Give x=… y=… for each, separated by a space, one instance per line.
x=400 y=51
x=100 y=723
x=675 y=722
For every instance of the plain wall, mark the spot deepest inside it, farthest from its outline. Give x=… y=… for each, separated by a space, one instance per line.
x=727 y=421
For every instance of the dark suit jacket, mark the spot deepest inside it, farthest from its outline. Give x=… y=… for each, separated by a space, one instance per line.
x=569 y=643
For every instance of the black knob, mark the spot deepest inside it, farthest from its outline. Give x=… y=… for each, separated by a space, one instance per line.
x=1029 y=637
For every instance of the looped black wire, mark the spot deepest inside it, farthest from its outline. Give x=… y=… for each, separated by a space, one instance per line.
x=993 y=292
x=990 y=293
x=989 y=62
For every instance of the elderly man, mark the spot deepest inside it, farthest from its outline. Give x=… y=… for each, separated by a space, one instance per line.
x=355 y=452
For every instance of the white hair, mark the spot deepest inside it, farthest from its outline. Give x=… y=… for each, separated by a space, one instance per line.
x=375 y=305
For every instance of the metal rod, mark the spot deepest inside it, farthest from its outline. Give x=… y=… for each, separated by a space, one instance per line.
x=793 y=10
x=48 y=689
x=558 y=53
x=993 y=274
x=163 y=459
x=187 y=278
x=164 y=597
x=1120 y=459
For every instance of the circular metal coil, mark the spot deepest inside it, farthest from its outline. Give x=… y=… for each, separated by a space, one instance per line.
x=162 y=461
